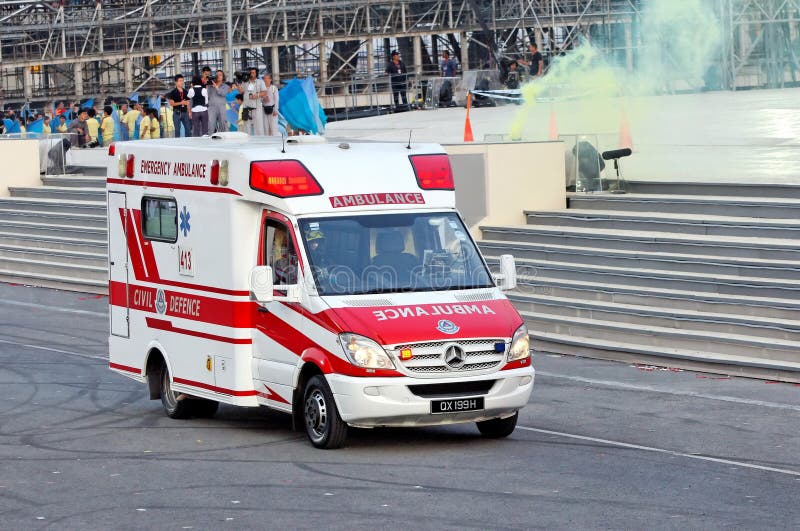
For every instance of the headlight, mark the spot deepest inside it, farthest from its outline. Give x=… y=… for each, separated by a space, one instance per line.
x=520 y=345
x=364 y=352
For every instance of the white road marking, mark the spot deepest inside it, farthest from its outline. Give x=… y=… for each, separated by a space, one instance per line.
x=51 y=308
x=649 y=389
x=57 y=350
x=663 y=451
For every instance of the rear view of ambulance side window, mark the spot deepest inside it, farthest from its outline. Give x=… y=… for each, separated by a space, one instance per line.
x=279 y=253
x=160 y=219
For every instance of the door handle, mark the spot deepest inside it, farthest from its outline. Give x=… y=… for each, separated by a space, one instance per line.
x=263 y=309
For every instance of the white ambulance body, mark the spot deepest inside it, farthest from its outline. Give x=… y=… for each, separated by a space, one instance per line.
x=336 y=283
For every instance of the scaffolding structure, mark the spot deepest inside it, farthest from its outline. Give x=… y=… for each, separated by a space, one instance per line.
x=72 y=49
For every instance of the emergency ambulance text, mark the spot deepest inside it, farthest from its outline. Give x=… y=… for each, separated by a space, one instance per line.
x=176 y=169
x=436 y=309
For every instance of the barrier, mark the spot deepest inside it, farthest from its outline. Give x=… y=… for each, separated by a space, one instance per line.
x=497 y=182
x=20 y=167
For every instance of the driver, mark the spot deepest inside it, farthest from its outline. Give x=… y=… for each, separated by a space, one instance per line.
x=316 y=244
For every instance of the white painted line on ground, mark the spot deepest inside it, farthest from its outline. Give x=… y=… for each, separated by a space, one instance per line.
x=50 y=349
x=650 y=389
x=51 y=308
x=663 y=451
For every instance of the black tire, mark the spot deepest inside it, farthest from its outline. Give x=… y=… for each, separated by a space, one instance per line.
x=203 y=408
x=324 y=426
x=176 y=405
x=498 y=428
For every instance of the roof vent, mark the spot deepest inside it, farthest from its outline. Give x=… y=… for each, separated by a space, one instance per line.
x=230 y=135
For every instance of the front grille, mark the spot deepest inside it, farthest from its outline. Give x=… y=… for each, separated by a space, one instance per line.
x=429 y=358
x=454 y=390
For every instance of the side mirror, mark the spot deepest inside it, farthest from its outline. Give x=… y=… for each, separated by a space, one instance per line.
x=262 y=288
x=261 y=285
x=507 y=279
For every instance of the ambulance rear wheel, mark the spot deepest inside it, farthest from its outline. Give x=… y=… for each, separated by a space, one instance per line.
x=324 y=426
x=498 y=428
x=176 y=405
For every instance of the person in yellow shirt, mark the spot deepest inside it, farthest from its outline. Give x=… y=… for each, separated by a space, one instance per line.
x=144 y=127
x=46 y=126
x=62 y=124
x=107 y=126
x=155 y=126
x=130 y=119
x=169 y=124
x=94 y=126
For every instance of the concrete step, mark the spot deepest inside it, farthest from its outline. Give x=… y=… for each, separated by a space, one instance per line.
x=755 y=207
x=642 y=315
x=53 y=255
x=658 y=278
x=780 y=370
x=75 y=181
x=54 y=205
x=778 y=191
x=57 y=218
x=769 y=351
x=658 y=297
x=669 y=222
x=53 y=241
x=69 y=283
x=47 y=229
x=648 y=242
x=695 y=263
x=25 y=266
x=61 y=193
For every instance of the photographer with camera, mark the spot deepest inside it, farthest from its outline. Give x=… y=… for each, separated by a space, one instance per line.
x=253 y=91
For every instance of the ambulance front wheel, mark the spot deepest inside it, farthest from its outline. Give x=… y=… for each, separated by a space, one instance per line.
x=324 y=426
x=498 y=428
x=176 y=405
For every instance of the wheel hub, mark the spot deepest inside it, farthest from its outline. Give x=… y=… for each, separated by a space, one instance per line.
x=316 y=414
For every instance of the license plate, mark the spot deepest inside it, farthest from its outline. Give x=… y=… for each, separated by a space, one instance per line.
x=456 y=405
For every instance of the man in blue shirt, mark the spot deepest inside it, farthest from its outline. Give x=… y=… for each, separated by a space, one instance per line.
x=447 y=66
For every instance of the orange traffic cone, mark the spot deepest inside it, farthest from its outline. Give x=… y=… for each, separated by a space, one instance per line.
x=625 y=140
x=553 y=124
x=467 y=125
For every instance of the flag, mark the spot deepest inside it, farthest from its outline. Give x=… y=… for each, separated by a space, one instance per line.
x=155 y=103
x=300 y=106
x=117 y=123
x=134 y=97
x=233 y=119
x=11 y=126
x=88 y=103
x=36 y=126
x=230 y=97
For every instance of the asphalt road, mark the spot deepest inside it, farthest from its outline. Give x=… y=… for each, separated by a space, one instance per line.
x=600 y=446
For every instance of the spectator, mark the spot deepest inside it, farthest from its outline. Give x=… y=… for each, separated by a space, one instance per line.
x=131 y=119
x=512 y=77
x=46 y=126
x=179 y=103
x=78 y=131
x=217 y=102
x=536 y=63
x=62 y=123
x=270 y=104
x=199 y=110
x=205 y=76
x=238 y=106
x=60 y=108
x=253 y=117
x=93 y=125
x=448 y=66
x=396 y=69
x=22 y=128
x=155 y=126
x=107 y=125
x=144 y=127
x=123 y=111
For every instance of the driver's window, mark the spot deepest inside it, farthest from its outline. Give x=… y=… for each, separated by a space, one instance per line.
x=279 y=253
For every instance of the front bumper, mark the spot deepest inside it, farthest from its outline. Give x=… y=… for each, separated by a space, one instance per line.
x=373 y=402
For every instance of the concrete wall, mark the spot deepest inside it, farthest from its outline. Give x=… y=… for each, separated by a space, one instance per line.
x=497 y=182
x=20 y=164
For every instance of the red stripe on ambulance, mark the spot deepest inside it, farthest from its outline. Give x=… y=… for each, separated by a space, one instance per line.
x=167 y=326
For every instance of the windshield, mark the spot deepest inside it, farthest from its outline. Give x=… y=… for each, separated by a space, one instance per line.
x=386 y=253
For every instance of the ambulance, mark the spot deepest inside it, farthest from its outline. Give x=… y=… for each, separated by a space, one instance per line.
x=333 y=281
